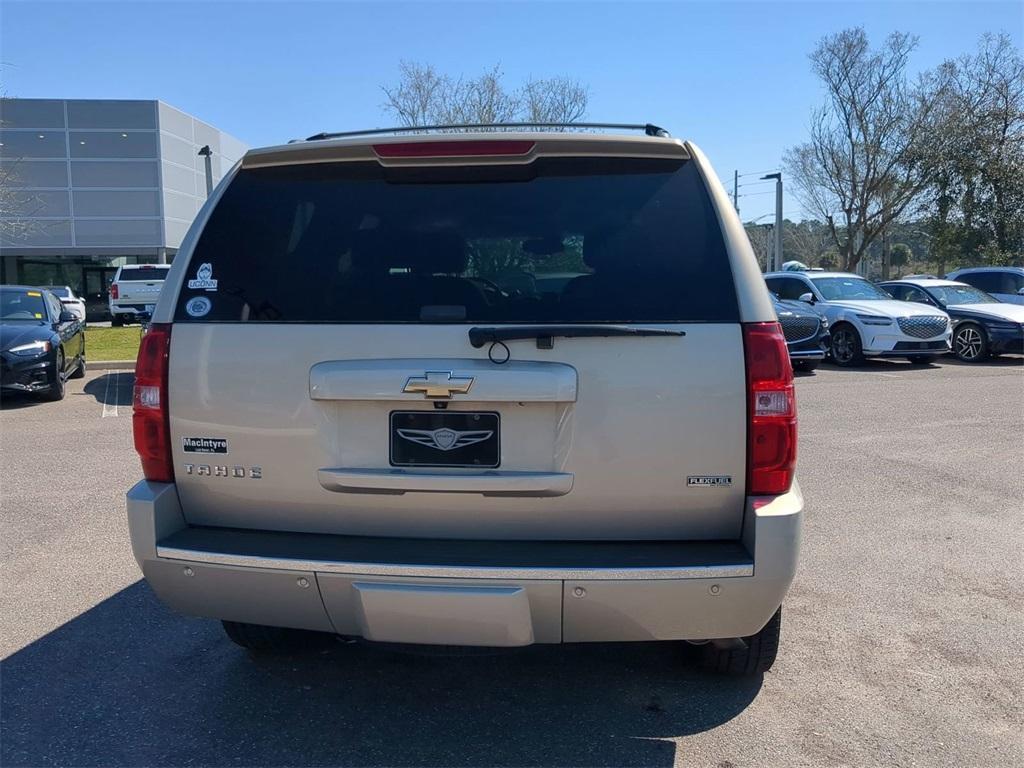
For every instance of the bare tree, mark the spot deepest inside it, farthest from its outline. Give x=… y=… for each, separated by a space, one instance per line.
x=555 y=100
x=418 y=96
x=872 y=148
x=422 y=96
x=17 y=205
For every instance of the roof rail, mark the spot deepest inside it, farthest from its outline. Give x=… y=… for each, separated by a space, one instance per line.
x=647 y=128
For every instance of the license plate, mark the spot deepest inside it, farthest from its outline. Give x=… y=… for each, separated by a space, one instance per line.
x=445 y=439
x=150 y=308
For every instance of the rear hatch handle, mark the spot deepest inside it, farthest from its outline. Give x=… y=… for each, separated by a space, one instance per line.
x=478 y=336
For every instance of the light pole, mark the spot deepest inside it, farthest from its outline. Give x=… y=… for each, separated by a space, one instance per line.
x=207 y=154
x=777 y=251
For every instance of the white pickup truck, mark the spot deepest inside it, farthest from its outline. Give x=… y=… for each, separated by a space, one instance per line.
x=134 y=291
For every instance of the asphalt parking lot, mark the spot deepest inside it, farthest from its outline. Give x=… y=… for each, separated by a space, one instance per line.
x=902 y=636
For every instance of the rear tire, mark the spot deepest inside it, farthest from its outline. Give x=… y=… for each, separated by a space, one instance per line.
x=79 y=371
x=846 y=346
x=757 y=658
x=257 y=638
x=116 y=321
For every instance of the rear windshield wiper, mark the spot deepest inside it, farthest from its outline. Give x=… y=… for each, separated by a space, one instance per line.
x=478 y=336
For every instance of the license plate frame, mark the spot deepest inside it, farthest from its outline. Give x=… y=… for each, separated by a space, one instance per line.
x=423 y=446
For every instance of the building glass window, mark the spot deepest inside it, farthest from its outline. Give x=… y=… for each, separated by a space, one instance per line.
x=111 y=114
x=33 y=113
x=30 y=144
x=34 y=173
x=113 y=144
x=116 y=203
x=115 y=175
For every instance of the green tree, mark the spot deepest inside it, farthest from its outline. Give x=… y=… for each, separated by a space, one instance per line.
x=900 y=256
x=977 y=198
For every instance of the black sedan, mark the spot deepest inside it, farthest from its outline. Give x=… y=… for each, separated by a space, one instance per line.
x=806 y=332
x=982 y=325
x=41 y=343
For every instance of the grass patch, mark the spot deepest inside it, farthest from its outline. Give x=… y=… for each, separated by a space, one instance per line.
x=112 y=343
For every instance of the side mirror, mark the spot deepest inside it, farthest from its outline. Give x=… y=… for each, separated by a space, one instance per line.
x=66 y=317
x=807 y=297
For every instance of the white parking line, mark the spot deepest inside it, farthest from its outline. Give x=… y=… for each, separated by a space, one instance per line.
x=110 y=405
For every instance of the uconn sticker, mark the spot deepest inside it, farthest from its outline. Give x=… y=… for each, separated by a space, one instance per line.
x=204 y=444
x=709 y=481
x=204 y=278
x=200 y=306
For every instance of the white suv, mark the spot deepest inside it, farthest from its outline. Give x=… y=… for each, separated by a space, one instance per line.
x=866 y=321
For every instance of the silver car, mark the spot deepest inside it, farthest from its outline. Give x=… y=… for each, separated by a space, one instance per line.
x=364 y=409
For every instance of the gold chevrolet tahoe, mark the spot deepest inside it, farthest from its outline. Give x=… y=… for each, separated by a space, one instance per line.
x=483 y=387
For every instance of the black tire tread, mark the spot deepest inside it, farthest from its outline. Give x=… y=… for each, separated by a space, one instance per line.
x=56 y=391
x=757 y=658
x=858 y=355
x=984 y=353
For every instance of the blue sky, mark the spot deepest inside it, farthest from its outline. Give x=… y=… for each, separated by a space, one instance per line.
x=733 y=76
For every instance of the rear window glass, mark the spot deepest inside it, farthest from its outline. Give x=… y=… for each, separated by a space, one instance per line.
x=559 y=241
x=142 y=273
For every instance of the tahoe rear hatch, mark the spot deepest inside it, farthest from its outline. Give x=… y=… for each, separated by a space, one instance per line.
x=515 y=345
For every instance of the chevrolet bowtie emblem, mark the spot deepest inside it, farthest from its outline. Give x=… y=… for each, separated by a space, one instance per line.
x=438 y=385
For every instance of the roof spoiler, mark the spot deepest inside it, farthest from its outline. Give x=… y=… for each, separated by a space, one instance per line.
x=648 y=128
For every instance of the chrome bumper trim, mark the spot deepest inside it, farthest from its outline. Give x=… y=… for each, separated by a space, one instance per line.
x=817 y=354
x=732 y=570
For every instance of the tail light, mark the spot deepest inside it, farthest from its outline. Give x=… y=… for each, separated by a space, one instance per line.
x=771 y=411
x=150 y=418
x=113 y=291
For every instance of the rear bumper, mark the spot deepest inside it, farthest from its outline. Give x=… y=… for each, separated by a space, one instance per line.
x=129 y=309
x=470 y=593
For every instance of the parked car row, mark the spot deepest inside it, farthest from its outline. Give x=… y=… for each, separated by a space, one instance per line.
x=42 y=342
x=917 y=318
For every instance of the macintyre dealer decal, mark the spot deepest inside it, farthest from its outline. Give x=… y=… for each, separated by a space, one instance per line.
x=709 y=480
x=204 y=444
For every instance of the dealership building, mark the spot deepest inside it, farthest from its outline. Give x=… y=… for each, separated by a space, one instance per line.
x=90 y=185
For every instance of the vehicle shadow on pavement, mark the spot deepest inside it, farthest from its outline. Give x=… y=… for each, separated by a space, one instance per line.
x=130 y=683
x=1003 y=361
x=899 y=365
x=15 y=400
x=112 y=388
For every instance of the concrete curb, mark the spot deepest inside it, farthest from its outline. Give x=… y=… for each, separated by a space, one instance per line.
x=111 y=365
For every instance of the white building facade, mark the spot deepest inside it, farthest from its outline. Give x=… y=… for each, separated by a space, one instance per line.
x=89 y=185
